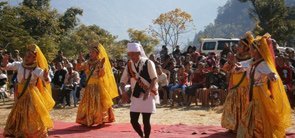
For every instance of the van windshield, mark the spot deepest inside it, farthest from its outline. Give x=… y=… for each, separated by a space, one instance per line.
x=209 y=45
x=221 y=44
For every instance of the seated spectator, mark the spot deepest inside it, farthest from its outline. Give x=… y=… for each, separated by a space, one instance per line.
x=223 y=54
x=58 y=81
x=215 y=81
x=167 y=62
x=153 y=58
x=178 y=90
x=188 y=70
x=3 y=86
x=163 y=84
x=71 y=83
x=198 y=82
x=187 y=58
x=211 y=60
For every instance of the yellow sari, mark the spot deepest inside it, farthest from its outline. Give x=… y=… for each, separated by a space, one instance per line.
x=30 y=115
x=96 y=104
x=236 y=101
x=269 y=112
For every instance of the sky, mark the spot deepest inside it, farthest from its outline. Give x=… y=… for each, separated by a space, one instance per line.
x=117 y=16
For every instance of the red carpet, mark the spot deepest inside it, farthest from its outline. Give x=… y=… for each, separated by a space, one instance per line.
x=72 y=130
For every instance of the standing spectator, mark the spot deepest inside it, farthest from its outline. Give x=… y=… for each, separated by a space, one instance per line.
x=71 y=83
x=58 y=81
x=176 y=53
x=189 y=50
x=164 y=51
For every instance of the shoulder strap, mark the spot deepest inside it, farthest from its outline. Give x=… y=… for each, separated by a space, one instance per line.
x=241 y=80
x=25 y=87
x=252 y=75
x=91 y=73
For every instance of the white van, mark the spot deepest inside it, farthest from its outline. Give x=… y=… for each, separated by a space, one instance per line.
x=216 y=45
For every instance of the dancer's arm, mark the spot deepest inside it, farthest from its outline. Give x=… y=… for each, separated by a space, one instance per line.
x=43 y=74
x=5 y=65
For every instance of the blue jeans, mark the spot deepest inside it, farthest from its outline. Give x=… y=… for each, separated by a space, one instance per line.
x=73 y=93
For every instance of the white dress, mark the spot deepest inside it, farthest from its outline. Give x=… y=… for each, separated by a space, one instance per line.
x=138 y=104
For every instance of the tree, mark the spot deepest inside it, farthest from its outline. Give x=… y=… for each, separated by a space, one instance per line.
x=80 y=38
x=148 y=42
x=37 y=4
x=12 y=34
x=34 y=21
x=272 y=17
x=69 y=20
x=169 y=26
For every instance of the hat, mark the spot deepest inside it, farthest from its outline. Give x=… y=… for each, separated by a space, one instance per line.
x=136 y=47
x=133 y=47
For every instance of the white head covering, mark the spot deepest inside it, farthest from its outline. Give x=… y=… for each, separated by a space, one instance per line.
x=3 y=76
x=136 y=47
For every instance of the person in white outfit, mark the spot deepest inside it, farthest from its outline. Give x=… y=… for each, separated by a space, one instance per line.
x=143 y=79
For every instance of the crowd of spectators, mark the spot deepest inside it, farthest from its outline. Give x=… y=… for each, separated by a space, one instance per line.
x=184 y=77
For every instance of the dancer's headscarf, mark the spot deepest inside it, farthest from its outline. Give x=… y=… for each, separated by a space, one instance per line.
x=44 y=87
x=278 y=111
x=248 y=39
x=108 y=77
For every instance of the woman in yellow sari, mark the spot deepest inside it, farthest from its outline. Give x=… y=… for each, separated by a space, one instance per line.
x=100 y=88
x=269 y=113
x=237 y=99
x=30 y=116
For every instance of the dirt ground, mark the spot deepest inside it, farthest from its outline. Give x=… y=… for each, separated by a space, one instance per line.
x=165 y=115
